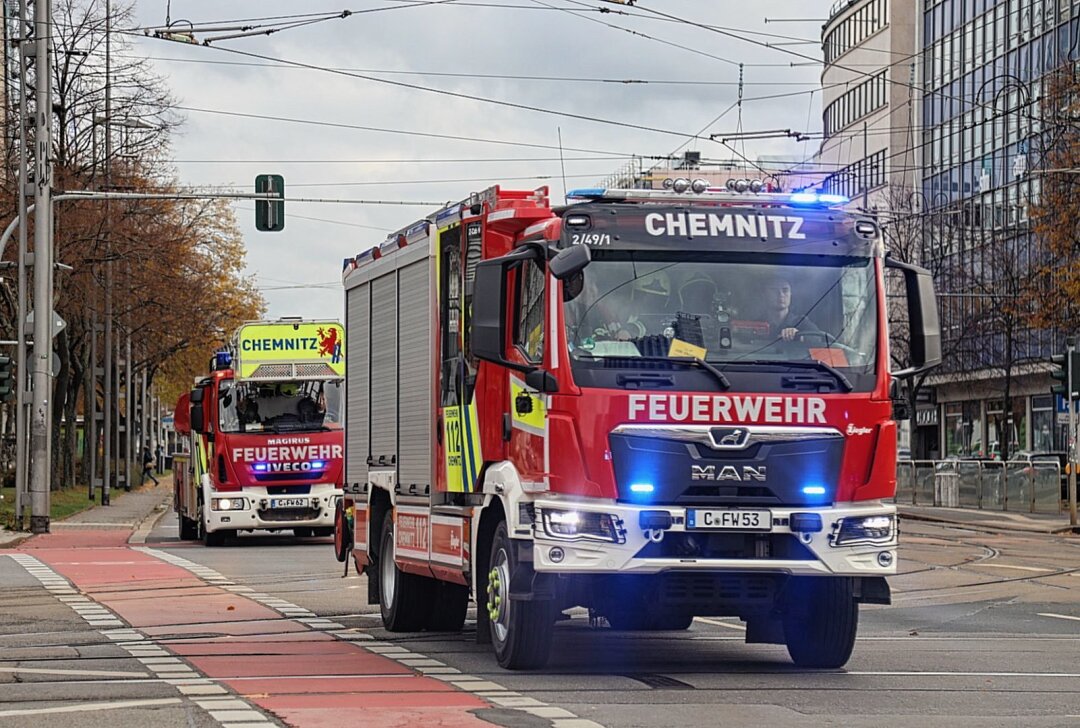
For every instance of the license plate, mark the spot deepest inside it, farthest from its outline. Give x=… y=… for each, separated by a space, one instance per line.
x=729 y=519
x=288 y=502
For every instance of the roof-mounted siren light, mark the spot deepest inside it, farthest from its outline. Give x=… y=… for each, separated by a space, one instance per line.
x=730 y=185
x=699 y=185
x=680 y=185
x=755 y=185
x=668 y=183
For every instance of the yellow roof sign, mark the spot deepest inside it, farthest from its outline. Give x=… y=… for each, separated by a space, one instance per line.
x=280 y=350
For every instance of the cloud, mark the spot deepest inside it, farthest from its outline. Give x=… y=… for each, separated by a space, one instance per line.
x=463 y=39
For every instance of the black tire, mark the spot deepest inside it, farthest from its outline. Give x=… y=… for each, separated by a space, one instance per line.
x=342 y=536
x=189 y=528
x=448 y=608
x=404 y=599
x=822 y=621
x=520 y=630
x=214 y=539
x=649 y=622
x=303 y=532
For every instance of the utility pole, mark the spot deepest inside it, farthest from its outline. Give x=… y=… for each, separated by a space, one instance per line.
x=43 y=271
x=21 y=440
x=107 y=346
x=1070 y=347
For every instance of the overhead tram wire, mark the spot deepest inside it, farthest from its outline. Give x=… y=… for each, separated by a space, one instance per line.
x=844 y=67
x=430 y=135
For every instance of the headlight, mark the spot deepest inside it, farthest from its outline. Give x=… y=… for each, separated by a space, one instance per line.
x=865 y=529
x=574 y=525
x=228 y=504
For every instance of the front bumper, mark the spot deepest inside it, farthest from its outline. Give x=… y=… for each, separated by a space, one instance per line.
x=256 y=512
x=817 y=556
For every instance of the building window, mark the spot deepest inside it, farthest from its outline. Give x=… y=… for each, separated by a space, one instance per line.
x=866 y=98
x=855 y=28
x=858 y=177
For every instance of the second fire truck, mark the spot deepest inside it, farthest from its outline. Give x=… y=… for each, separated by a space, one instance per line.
x=653 y=404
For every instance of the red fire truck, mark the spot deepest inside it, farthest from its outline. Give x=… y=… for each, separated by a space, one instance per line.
x=653 y=404
x=263 y=434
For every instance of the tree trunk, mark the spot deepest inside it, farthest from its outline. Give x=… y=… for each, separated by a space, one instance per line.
x=71 y=414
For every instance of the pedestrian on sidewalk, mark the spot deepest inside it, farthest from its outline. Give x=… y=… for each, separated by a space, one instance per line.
x=148 y=467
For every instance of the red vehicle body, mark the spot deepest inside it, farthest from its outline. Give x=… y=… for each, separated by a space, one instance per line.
x=590 y=406
x=263 y=437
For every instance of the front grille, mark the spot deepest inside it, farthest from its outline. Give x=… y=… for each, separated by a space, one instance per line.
x=289 y=515
x=288 y=489
x=716 y=589
x=277 y=477
x=718 y=545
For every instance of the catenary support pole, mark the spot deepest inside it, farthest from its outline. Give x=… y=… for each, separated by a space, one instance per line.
x=43 y=268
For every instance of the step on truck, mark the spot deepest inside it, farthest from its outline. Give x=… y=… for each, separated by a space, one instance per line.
x=263 y=434
x=652 y=404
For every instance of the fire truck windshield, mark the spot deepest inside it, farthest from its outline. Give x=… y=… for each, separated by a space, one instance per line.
x=733 y=310
x=279 y=406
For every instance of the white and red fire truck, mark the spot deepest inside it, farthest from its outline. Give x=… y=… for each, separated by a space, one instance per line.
x=653 y=404
x=263 y=434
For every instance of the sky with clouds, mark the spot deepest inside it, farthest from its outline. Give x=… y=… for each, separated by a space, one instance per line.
x=376 y=59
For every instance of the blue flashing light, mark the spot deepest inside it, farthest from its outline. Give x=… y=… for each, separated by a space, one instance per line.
x=642 y=488
x=804 y=198
x=317 y=464
x=834 y=199
x=587 y=192
x=222 y=359
x=259 y=467
x=813 y=490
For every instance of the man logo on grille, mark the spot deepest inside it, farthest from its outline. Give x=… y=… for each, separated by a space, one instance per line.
x=732 y=438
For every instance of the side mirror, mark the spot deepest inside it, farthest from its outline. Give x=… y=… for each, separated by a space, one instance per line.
x=489 y=324
x=923 y=317
x=568 y=262
x=196 y=395
x=197 y=423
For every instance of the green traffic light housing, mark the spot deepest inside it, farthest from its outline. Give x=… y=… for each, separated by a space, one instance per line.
x=7 y=379
x=270 y=214
x=1063 y=365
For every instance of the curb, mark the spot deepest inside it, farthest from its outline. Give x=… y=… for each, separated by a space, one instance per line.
x=138 y=536
x=983 y=525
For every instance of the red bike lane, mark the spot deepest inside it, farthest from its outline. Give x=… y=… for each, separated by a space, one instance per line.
x=304 y=676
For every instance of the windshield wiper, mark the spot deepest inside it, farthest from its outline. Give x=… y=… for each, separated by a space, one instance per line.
x=686 y=360
x=812 y=364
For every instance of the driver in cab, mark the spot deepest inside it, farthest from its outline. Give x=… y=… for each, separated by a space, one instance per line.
x=784 y=324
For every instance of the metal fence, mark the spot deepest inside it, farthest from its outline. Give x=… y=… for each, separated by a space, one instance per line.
x=1018 y=485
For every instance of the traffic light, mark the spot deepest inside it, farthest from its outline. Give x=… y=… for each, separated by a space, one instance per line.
x=1062 y=365
x=7 y=379
x=270 y=214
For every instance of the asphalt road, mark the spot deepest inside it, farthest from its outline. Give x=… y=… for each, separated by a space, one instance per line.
x=984 y=631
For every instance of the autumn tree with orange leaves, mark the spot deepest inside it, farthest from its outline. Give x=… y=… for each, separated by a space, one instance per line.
x=179 y=286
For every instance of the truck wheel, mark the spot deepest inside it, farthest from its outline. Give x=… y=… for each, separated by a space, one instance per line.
x=448 y=608
x=213 y=539
x=342 y=536
x=820 y=631
x=520 y=630
x=189 y=529
x=404 y=599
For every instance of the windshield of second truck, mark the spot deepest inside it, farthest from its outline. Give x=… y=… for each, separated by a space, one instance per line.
x=279 y=406
x=728 y=311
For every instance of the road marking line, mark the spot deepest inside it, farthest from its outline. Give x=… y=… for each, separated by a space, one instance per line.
x=1007 y=566
x=718 y=623
x=91 y=706
x=912 y=673
x=57 y=671
x=1058 y=616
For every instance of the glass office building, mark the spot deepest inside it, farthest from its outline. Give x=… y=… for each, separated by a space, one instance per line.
x=982 y=143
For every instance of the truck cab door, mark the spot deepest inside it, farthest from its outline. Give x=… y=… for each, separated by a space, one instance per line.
x=527 y=407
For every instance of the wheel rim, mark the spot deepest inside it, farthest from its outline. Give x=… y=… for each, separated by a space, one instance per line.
x=388 y=572
x=498 y=602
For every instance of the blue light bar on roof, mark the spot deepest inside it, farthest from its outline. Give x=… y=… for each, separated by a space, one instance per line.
x=592 y=193
x=813 y=198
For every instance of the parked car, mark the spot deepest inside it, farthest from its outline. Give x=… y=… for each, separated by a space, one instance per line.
x=1061 y=458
